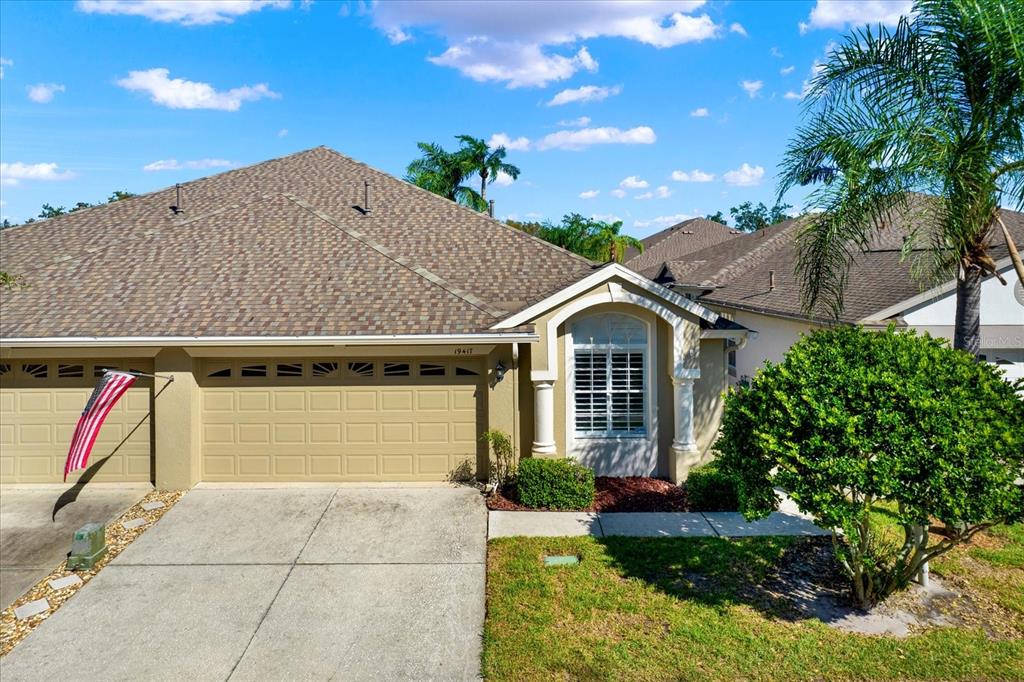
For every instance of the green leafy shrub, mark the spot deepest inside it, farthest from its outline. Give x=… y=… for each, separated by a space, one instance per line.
x=555 y=484
x=851 y=418
x=710 y=489
x=503 y=459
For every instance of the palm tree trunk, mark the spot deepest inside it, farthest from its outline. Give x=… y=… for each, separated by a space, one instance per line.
x=967 y=330
x=483 y=187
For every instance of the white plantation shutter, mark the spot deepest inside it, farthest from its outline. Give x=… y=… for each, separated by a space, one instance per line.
x=610 y=391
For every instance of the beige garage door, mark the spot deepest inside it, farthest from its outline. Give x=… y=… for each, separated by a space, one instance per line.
x=340 y=420
x=40 y=403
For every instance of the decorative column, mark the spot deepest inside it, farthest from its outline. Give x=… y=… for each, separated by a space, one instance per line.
x=543 y=417
x=684 y=454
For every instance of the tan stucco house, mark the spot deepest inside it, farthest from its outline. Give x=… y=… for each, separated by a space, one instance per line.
x=752 y=280
x=324 y=321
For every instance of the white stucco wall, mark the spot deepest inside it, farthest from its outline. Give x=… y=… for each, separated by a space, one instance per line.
x=774 y=337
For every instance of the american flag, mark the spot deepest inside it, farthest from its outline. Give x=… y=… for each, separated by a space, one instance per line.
x=112 y=385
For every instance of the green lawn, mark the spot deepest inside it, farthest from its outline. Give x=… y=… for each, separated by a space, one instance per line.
x=668 y=608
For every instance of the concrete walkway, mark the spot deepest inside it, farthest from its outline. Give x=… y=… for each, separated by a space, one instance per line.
x=281 y=584
x=647 y=524
x=37 y=522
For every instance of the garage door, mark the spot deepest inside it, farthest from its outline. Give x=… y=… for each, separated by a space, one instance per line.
x=40 y=403
x=340 y=419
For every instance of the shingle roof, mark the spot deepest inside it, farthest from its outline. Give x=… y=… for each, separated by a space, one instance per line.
x=738 y=271
x=675 y=242
x=279 y=248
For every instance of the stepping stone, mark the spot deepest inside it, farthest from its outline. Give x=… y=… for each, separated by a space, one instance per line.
x=150 y=506
x=66 y=581
x=32 y=608
x=133 y=523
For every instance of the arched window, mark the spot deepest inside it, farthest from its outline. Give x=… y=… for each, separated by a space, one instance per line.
x=610 y=376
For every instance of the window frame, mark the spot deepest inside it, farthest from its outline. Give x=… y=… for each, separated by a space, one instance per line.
x=647 y=351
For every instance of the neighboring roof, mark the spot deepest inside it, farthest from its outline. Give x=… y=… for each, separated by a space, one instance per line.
x=281 y=248
x=676 y=242
x=737 y=273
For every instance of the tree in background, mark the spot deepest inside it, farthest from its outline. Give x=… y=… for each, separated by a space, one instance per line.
x=50 y=211
x=485 y=162
x=608 y=245
x=591 y=238
x=717 y=217
x=854 y=422
x=120 y=195
x=935 y=105
x=751 y=218
x=445 y=173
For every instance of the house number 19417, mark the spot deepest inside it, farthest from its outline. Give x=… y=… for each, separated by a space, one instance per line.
x=463 y=351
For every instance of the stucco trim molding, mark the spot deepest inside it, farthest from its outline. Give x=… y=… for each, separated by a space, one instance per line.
x=603 y=275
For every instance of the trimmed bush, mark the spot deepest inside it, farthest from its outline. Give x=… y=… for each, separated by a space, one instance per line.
x=554 y=484
x=709 y=489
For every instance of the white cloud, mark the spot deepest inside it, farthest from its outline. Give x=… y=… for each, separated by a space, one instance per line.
x=184 y=12
x=586 y=93
x=786 y=70
x=4 y=61
x=606 y=217
x=581 y=122
x=633 y=182
x=519 y=144
x=752 y=87
x=589 y=194
x=585 y=137
x=662 y=192
x=700 y=112
x=517 y=65
x=41 y=93
x=618 y=193
x=283 y=132
x=509 y=41
x=14 y=173
x=663 y=221
x=503 y=179
x=792 y=95
x=737 y=27
x=645 y=195
x=198 y=164
x=178 y=93
x=839 y=15
x=693 y=176
x=775 y=52
x=745 y=176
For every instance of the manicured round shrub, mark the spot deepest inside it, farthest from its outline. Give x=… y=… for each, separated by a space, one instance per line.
x=853 y=418
x=554 y=484
x=710 y=489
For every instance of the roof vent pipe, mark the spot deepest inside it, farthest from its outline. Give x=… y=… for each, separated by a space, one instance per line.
x=490 y=208
x=177 y=208
x=771 y=280
x=366 y=197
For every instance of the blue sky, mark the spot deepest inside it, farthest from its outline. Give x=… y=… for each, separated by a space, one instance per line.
x=648 y=112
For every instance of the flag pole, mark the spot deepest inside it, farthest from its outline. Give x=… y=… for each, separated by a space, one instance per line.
x=143 y=374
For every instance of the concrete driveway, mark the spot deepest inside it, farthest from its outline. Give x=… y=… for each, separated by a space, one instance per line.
x=281 y=583
x=37 y=522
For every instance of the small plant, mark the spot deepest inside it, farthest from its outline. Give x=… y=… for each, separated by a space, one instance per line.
x=502 y=470
x=852 y=419
x=555 y=484
x=710 y=489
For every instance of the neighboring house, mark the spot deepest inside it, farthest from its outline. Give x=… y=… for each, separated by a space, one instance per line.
x=324 y=321
x=751 y=279
x=676 y=242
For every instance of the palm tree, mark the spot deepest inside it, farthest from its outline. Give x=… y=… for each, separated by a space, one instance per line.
x=443 y=173
x=486 y=162
x=935 y=105
x=608 y=245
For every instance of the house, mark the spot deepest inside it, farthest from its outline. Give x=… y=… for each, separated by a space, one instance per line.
x=320 y=320
x=676 y=242
x=751 y=279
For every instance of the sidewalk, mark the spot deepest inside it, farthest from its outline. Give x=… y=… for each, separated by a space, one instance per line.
x=646 y=524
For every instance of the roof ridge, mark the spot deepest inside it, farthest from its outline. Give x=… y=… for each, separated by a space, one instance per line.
x=478 y=214
x=769 y=245
x=423 y=272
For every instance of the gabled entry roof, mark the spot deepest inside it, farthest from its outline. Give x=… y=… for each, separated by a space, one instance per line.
x=288 y=247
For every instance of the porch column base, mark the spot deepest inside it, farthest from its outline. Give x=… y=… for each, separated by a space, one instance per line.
x=681 y=458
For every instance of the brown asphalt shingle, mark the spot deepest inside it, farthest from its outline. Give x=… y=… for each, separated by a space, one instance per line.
x=738 y=271
x=276 y=249
x=676 y=242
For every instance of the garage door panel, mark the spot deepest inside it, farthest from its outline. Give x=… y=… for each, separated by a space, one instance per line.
x=358 y=427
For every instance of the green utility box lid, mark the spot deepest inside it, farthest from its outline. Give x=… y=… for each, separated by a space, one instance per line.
x=87 y=546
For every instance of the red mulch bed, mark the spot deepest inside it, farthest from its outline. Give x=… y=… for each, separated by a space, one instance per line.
x=627 y=494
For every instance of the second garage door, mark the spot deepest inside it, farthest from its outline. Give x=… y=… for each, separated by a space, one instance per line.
x=340 y=419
